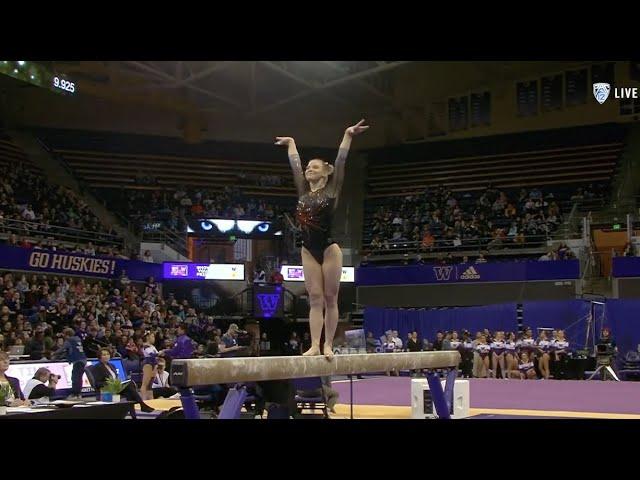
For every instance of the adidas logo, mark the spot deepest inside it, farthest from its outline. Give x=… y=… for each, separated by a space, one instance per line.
x=470 y=274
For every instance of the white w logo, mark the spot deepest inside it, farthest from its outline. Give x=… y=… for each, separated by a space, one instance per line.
x=442 y=273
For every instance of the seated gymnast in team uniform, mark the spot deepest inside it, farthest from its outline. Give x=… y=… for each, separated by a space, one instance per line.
x=497 y=354
x=510 y=354
x=526 y=343
x=542 y=354
x=483 y=350
x=526 y=368
x=390 y=347
x=558 y=350
x=477 y=361
x=149 y=365
x=454 y=343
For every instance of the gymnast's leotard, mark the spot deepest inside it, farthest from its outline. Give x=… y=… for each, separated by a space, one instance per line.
x=314 y=212
x=315 y=215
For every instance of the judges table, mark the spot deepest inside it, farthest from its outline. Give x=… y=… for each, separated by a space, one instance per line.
x=75 y=411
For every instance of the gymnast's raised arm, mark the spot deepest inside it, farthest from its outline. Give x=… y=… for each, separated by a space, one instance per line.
x=335 y=181
x=294 y=160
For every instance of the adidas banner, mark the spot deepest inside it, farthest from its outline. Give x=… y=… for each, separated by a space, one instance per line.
x=465 y=273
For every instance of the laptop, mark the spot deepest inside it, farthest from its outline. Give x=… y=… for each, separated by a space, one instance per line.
x=16 y=350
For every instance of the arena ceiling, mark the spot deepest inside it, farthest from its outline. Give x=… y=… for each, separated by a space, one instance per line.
x=264 y=93
x=257 y=88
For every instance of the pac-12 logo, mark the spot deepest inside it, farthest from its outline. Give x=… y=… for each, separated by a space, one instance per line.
x=601 y=92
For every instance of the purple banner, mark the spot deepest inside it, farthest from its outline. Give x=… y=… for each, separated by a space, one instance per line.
x=469 y=273
x=626 y=267
x=47 y=261
x=202 y=271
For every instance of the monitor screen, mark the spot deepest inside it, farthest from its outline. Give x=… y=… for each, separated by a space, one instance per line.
x=24 y=371
x=294 y=273
x=203 y=271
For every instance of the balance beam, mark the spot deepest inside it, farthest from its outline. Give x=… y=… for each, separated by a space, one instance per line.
x=211 y=371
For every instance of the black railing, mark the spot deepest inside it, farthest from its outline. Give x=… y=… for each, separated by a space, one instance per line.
x=40 y=231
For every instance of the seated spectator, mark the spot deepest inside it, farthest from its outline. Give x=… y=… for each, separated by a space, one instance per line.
x=276 y=277
x=37 y=389
x=446 y=341
x=147 y=257
x=481 y=259
x=437 y=343
x=213 y=347
x=629 y=250
x=259 y=275
x=413 y=344
x=90 y=249
x=293 y=345
x=376 y=243
x=104 y=370
x=265 y=344
x=35 y=347
x=397 y=340
x=161 y=386
x=92 y=344
x=389 y=345
x=550 y=255
x=306 y=342
x=428 y=240
x=229 y=343
x=16 y=399
x=371 y=343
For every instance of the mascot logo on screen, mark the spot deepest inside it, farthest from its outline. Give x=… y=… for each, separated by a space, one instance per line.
x=601 y=92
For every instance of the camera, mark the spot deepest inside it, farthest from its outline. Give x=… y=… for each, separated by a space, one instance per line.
x=53 y=376
x=604 y=354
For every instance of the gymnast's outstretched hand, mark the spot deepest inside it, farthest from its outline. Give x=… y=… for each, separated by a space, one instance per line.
x=357 y=129
x=284 y=140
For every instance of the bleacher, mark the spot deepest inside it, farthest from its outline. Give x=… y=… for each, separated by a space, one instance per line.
x=558 y=162
x=112 y=161
x=13 y=158
x=11 y=153
x=559 y=158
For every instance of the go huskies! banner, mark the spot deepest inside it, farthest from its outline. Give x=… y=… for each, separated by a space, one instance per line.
x=47 y=261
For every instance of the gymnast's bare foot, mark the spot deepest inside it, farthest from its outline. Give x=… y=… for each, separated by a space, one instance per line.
x=328 y=351
x=314 y=350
